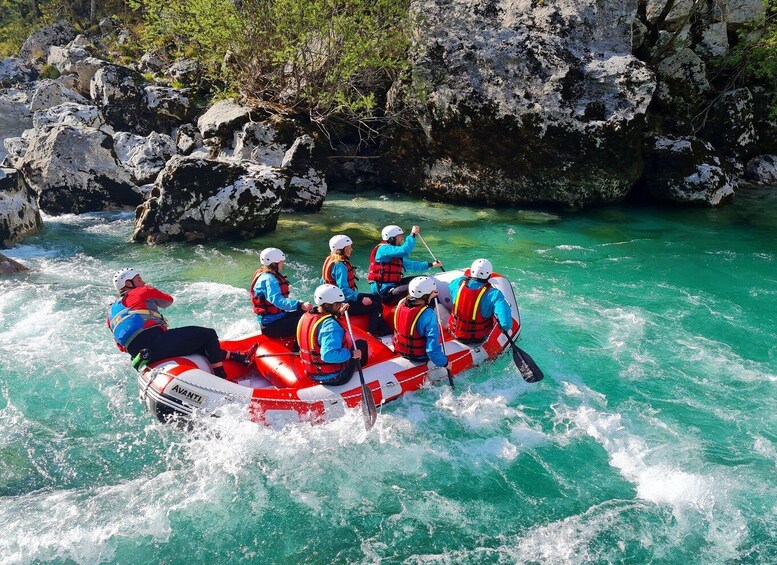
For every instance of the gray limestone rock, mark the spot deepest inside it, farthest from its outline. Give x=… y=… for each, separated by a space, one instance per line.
x=170 y=106
x=762 y=170
x=50 y=93
x=307 y=187
x=197 y=199
x=730 y=123
x=714 y=40
x=118 y=91
x=36 y=47
x=15 y=116
x=186 y=71
x=9 y=266
x=223 y=118
x=516 y=101
x=14 y=72
x=66 y=58
x=143 y=157
x=19 y=214
x=74 y=170
x=86 y=69
x=69 y=113
x=685 y=170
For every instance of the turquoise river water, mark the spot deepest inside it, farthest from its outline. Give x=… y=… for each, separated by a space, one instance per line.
x=652 y=439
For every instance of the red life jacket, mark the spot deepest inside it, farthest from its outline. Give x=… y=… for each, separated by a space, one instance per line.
x=383 y=273
x=326 y=272
x=408 y=342
x=260 y=303
x=466 y=322
x=310 y=347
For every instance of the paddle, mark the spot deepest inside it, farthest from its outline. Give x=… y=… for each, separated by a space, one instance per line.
x=442 y=340
x=369 y=411
x=529 y=370
x=430 y=251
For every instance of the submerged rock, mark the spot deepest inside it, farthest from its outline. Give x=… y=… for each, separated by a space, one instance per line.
x=685 y=170
x=74 y=170
x=515 y=101
x=8 y=266
x=19 y=213
x=197 y=199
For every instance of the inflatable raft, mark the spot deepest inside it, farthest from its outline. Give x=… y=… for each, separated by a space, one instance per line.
x=275 y=391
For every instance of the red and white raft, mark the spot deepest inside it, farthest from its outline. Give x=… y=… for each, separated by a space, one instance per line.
x=275 y=391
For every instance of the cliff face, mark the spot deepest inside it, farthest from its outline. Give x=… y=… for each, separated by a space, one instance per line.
x=514 y=101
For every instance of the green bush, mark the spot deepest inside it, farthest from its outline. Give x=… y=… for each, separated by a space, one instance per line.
x=49 y=71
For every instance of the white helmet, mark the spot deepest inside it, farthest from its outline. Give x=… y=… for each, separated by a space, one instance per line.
x=328 y=294
x=481 y=269
x=122 y=276
x=421 y=286
x=338 y=242
x=271 y=255
x=390 y=231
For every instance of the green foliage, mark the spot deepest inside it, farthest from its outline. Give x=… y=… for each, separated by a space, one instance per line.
x=49 y=71
x=325 y=57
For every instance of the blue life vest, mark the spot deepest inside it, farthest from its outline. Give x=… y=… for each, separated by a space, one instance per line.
x=126 y=323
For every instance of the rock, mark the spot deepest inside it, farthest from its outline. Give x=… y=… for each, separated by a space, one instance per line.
x=65 y=58
x=15 y=116
x=261 y=142
x=762 y=170
x=50 y=93
x=188 y=139
x=9 y=266
x=307 y=187
x=15 y=148
x=19 y=214
x=638 y=33
x=764 y=121
x=152 y=62
x=74 y=170
x=196 y=199
x=170 y=106
x=106 y=26
x=678 y=13
x=683 y=69
x=143 y=157
x=520 y=101
x=14 y=72
x=83 y=42
x=685 y=170
x=36 y=47
x=70 y=81
x=118 y=91
x=86 y=69
x=71 y=114
x=223 y=118
x=739 y=12
x=185 y=71
x=729 y=126
x=714 y=41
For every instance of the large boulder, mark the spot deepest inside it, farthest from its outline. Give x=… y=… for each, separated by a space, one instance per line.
x=264 y=142
x=70 y=114
x=517 y=101
x=307 y=187
x=168 y=106
x=224 y=117
x=50 y=93
x=74 y=170
x=196 y=199
x=118 y=91
x=14 y=72
x=86 y=69
x=762 y=170
x=764 y=120
x=730 y=123
x=685 y=170
x=64 y=59
x=19 y=212
x=739 y=12
x=143 y=157
x=36 y=47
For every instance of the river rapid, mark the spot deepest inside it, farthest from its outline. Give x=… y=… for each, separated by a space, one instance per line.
x=653 y=437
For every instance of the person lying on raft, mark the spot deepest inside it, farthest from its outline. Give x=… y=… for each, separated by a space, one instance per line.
x=324 y=345
x=476 y=303
x=337 y=270
x=416 y=333
x=389 y=260
x=276 y=312
x=140 y=330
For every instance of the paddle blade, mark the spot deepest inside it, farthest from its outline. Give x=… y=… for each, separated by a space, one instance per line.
x=369 y=410
x=529 y=370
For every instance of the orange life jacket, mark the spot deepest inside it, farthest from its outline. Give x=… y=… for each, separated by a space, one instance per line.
x=310 y=347
x=326 y=272
x=466 y=322
x=408 y=342
x=383 y=273
x=260 y=303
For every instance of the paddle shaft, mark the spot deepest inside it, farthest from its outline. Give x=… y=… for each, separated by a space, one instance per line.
x=368 y=402
x=430 y=251
x=519 y=358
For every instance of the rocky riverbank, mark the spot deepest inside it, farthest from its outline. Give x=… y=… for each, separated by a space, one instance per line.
x=572 y=102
